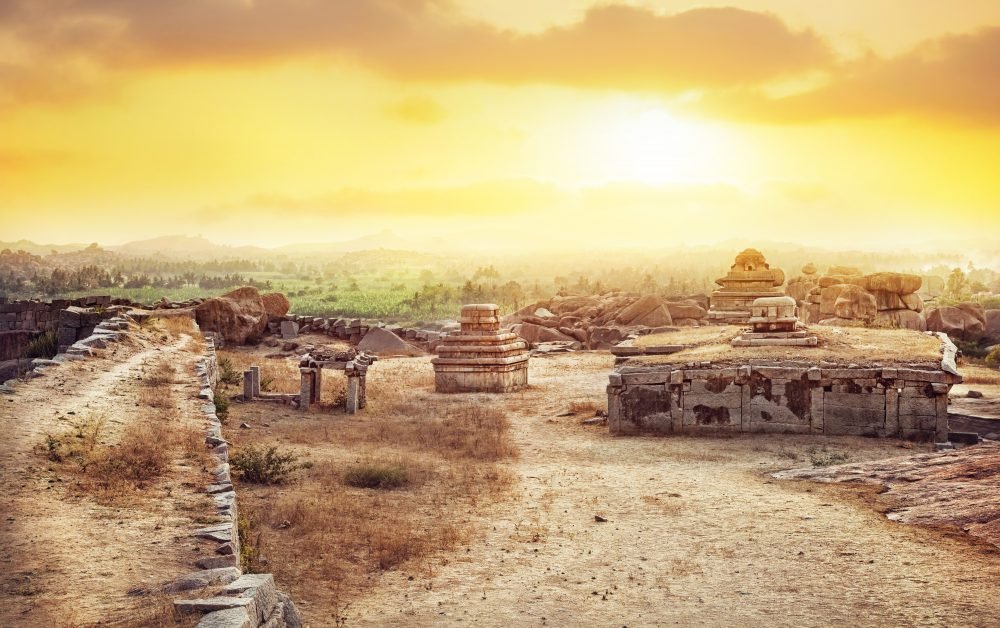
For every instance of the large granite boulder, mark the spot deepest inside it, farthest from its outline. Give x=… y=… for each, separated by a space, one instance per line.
x=566 y=305
x=688 y=309
x=275 y=304
x=605 y=337
x=896 y=283
x=648 y=311
x=993 y=323
x=238 y=316
x=534 y=334
x=903 y=319
x=828 y=298
x=855 y=302
x=799 y=287
x=913 y=302
x=957 y=321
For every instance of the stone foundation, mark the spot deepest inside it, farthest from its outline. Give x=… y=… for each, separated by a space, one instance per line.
x=479 y=357
x=804 y=399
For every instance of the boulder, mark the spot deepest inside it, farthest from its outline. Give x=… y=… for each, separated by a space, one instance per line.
x=543 y=313
x=809 y=269
x=238 y=316
x=913 y=302
x=649 y=311
x=886 y=300
x=799 y=288
x=903 y=319
x=855 y=302
x=605 y=337
x=275 y=304
x=992 y=323
x=686 y=309
x=565 y=305
x=955 y=321
x=533 y=334
x=974 y=310
x=828 y=298
x=832 y=280
x=381 y=341
x=898 y=283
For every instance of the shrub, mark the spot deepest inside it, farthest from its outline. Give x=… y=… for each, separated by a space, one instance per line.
x=221 y=406
x=228 y=374
x=993 y=358
x=259 y=466
x=823 y=457
x=376 y=476
x=44 y=346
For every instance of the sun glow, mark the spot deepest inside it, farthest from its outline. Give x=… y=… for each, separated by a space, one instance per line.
x=656 y=148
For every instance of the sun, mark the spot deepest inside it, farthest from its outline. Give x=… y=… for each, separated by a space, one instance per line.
x=656 y=148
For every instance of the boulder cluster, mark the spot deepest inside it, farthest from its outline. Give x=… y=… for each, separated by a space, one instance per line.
x=845 y=296
x=602 y=321
x=240 y=316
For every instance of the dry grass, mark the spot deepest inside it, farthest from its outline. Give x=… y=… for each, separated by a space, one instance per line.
x=841 y=345
x=389 y=488
x=980 y=375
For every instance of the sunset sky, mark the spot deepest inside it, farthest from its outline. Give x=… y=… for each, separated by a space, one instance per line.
x=655 y=123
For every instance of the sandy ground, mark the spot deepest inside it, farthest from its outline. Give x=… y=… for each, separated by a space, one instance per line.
x=697 y=533
x=64 y=559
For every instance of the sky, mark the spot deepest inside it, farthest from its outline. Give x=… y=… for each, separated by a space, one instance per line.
x=511 y=123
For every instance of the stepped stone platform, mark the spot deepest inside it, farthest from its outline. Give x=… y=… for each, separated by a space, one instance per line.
x=774 y=322
x=479 y=357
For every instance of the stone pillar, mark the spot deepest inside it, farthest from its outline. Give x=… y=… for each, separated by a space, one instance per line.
x=306 y=388
x=353 y=393
x=317 y=388
x=255 y=375
x=247 y=386
x=362 y=388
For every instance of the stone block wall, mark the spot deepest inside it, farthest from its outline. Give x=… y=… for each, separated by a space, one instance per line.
x=20 y=321
x=804 y=399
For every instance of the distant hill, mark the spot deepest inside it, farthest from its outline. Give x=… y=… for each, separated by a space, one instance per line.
x=187 y=247
x=41 y=249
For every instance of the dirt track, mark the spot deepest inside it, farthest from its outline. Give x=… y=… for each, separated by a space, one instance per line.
x=65 y=560
x=697 y=534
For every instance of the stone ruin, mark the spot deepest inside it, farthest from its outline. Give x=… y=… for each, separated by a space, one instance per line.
x=903 y=400
x=479 y=357
x=749 y=278
x=774 y=321
x=354 y=364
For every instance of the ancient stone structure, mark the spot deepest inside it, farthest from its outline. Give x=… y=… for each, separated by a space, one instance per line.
x=774 y=321
x=479 y=357
x=903 y=400
x=749 y=278
x=354 y=364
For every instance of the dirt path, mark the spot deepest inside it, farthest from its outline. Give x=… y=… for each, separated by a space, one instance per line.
x=697 y=534
x=65 y=560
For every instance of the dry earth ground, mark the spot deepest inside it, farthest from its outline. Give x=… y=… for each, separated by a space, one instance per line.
x=73 y=543
x=697 y=533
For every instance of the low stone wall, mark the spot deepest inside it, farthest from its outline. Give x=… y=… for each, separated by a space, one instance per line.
x=784 y=398
x=72 y=320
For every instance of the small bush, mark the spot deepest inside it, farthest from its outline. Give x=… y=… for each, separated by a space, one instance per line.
x=823 y=457
x=377 y=476
x=993 y=358
x=259 y=466
x=228 y=374
x=970 y=348
x=44 y=346
x=221 y=406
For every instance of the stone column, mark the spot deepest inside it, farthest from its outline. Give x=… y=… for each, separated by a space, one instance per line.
x=255 y=375
x=305 y=388
x=317 y=389
x=353 y=392
x=247 y=386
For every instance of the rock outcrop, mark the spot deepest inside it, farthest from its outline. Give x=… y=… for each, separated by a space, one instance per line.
x=965 y=320
x=846 y=297
x=238 y=316
x=380 y=341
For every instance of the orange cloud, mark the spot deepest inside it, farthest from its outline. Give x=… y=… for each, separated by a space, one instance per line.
x=616 y=47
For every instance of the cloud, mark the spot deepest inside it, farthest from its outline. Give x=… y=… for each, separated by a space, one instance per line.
x=613 y=46
x=954 y=77
x=416 y=110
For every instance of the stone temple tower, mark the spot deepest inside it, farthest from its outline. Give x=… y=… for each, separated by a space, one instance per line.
x=480 y=358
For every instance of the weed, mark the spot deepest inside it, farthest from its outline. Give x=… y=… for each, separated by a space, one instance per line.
x=43 y=346
x=221 y=407
x=823 y=457
x=372 y=475
x=260 y=466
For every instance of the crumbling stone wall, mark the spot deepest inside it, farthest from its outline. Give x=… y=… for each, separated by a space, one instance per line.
x=785 y=398
x=20 y=321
